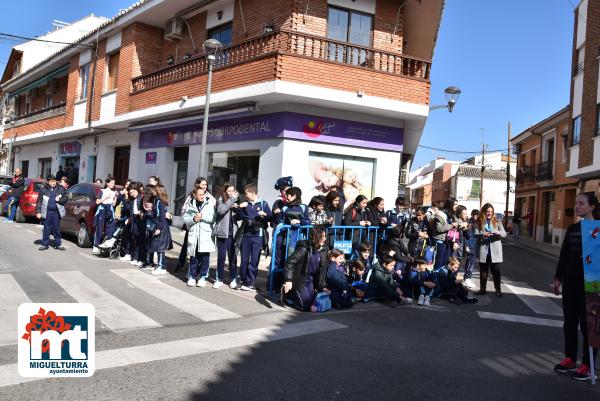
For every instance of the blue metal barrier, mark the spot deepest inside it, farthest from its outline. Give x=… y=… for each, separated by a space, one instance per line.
x=343 y=239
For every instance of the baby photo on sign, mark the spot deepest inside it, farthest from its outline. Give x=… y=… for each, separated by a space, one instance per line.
x=349 y=177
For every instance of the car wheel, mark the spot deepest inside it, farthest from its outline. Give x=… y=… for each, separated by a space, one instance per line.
x=19 y=218
x=83 y=237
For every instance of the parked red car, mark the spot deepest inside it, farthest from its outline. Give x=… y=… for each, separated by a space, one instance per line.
x=80 y=212
x=26 y=208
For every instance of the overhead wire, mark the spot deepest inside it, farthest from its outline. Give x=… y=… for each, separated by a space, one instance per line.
x=460 y=151
x=9 y=35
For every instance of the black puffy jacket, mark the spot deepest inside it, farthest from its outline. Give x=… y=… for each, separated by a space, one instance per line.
x=569 y=269
x=296 y=267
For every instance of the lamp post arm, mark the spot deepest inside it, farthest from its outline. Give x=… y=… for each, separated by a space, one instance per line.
x=440 y=106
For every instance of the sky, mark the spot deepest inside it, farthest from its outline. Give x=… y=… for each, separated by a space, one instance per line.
x=510 y=58
x=512 y=61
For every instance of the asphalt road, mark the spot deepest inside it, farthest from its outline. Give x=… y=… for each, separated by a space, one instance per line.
x=257 y=350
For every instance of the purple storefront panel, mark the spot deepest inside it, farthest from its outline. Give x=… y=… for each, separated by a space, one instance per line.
x=279 y=125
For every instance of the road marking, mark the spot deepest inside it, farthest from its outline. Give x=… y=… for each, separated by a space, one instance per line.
x=180 y=299
x=536 y=300
x=11 y=296
x=520 y=319
x=110 y=310
x=31 y=232
x=114 y=358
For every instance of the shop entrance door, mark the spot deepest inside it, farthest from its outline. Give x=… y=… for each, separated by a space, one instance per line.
x=179 y=190
x=121 y=164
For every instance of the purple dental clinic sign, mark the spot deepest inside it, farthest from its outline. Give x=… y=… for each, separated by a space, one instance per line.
x=279 y=125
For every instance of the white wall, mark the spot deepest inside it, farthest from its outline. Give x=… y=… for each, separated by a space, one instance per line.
x=494 y=192
x=108 y=102
x=577 y=95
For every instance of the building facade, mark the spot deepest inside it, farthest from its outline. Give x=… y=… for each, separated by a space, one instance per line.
x=584 y=108
x=542 y=183
x=332 y=92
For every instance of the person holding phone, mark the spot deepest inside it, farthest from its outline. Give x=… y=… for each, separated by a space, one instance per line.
x=489 y=233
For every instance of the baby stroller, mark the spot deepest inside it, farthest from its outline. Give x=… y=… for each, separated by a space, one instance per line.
x=113 y=247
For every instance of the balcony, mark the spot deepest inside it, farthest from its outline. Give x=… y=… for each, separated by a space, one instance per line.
x=524 y=175
x=295 y=44
x=544 y=171
x=41 y=114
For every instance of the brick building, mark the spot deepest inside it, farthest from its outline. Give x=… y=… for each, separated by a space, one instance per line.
x=332 y=92
x=584 y=108
x=542 y=182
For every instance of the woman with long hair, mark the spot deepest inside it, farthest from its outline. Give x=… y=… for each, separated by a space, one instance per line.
x=105 y=214
x=569 y=275
x=489 y=232
x=356 y=215
x=200 y=182
x=224 y=230
x=305 y=270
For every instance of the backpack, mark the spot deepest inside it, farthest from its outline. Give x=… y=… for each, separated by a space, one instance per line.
x=322 y=303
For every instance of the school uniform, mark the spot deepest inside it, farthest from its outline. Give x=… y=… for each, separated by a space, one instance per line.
x=306 y=269
x=398 y=217
x=442 y=224
x=385 y=284
x=353 y=217
x=470 y=248
x=254 y=232
x=160 y=243
x=105 y=216
x=337 y=282
x=416 y=244
x=288 y=213
x=417 y=281
x=338 y=220
x=446 y=286
x=137 y=246
x=279 y=251
x=224 y=231
x=52 y=210
x=125 y=217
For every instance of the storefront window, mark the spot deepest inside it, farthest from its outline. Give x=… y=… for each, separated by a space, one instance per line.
x=352 y=176
x=237 y=168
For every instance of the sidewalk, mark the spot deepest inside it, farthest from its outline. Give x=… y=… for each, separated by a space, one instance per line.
x=538 y=247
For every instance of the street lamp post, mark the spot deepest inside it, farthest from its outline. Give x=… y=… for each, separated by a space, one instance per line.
x=452 y=94
x=211 y=47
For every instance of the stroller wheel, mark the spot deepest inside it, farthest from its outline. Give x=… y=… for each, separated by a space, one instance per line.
x=114 y=253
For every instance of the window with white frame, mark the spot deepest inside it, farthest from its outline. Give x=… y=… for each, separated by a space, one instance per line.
x=576 y=131
x=112 y=71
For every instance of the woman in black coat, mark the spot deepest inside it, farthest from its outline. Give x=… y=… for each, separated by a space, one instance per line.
x=305 y=270
x=569 y=274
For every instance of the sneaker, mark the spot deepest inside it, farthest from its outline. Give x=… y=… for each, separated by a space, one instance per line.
x=43 y=247
x=427 y=300
x=133 y=262
x=248 y=288
x=159 y=271
x=8 y=221
x=60 y=248
x=565 y=365
x=108 y=243
x=421 y=300
x=95 y=250
x=407 y=301
x=582 y=373
x=233 y=284
x=217 y=284
x=139 y=263
x=126 y=258
x=148 y=267
x=471 y=300
x=468 y=283
x=191 y=282
x=201 y=282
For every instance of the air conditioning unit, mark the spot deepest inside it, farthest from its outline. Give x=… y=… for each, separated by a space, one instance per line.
x=174 y=29
x=52 y=87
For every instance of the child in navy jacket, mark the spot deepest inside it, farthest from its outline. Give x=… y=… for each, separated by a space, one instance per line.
x=337 y=281
x=421 y=280
x=448 y=286
x=255 y=215
x=295 y=214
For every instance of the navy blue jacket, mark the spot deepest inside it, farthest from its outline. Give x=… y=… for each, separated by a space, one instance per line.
x=444 y=279
x=289 y=212
x=418 y=278
x=336 y=280
x=255 y=224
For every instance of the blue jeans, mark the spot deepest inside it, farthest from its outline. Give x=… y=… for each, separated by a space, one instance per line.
x=11 y=207
x=51 y=226
x=251 y=247
x=226 y=248
x=199 y=265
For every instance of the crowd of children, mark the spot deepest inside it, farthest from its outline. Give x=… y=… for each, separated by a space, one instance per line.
x=418 y=253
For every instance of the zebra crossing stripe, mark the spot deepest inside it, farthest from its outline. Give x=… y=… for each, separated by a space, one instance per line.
x=115 y=314
x=520 y=319
x=11 y=296
x=114 y=358
x=536 y=300
x=195 y=306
